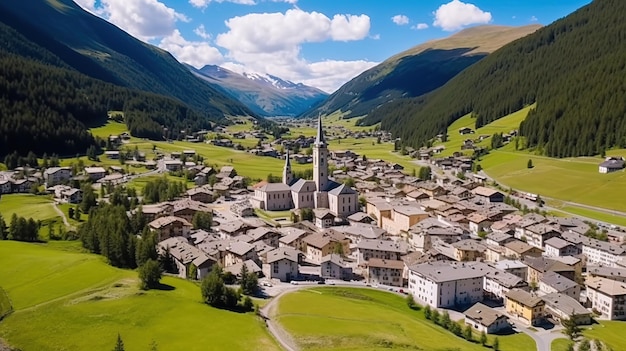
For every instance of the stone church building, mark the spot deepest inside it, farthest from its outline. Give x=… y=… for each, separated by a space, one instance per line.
x=319 y=193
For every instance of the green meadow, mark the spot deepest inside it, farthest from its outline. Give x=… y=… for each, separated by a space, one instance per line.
x=610 y=332
x=333 y=318
x=67 y=300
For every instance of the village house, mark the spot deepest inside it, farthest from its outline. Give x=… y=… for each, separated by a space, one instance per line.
x=238 y=252
x=367 y=249
x=265 y=234
x=557 y=247
x=497 y=283
x=188 y=258
x=485 y=319
x=525 y=306
x=384 y=272
x=538 y=266
x=613 y=273
x=611 y=164
x=173 y=165
x=447 y=284
x=468 y=250
x=334 y=267
x=319 y=245
x=518 y=249
x=402 y=218
x=170 y=226
x=488 y=195
x=200 y=194
x=561 y=307
x=378 y=209
x=537 y=234
x=515 y=267
x=95 y=173
x=323 y=218
x=55 y=175
x=607 y=297
x=282 y=264
x=552 y=282
x=293 y=237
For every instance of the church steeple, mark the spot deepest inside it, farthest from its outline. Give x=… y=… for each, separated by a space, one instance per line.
x=287 y=175
x=319 y=139
x=320 y=159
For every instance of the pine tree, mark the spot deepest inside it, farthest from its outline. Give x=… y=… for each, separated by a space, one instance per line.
x=467 y=332
x=496 y=344
x=483 y=338
x=571 y=328
x=427 y=312
x=119 y=345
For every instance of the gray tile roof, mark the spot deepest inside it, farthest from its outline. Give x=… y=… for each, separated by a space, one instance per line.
x=557 y=281
x=446 y=271
x=484 y=315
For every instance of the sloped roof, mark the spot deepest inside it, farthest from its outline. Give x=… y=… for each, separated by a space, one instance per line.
x=342 y=190
x=484 y=315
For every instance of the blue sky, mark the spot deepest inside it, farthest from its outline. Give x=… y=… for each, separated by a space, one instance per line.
x=322 y=43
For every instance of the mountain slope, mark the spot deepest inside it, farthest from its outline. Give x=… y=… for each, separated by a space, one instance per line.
x=418 y=70
x=98 y=49
x=573 y=69
x=265 y=95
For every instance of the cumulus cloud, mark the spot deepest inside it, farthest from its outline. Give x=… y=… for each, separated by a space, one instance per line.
x=533 y=19
x=204 y=3
x=456 y=15
x=420 y=26
x=195 y=53
x=144 y=19
x=400 y=20
x=201 y=32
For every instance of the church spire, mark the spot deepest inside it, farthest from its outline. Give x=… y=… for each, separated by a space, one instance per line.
x=319 y=140
x=287 y=175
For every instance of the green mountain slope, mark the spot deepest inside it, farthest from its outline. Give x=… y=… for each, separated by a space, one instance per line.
x=573 y=69
x=418 y=70
x=100 y=50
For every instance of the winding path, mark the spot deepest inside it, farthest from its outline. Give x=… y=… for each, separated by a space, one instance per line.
x=62 y=215
x=267 y=313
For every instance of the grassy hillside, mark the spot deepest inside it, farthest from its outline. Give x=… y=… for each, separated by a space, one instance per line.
x=417 y=71
x=368 y=319
x=571 y=68
x=74 y=301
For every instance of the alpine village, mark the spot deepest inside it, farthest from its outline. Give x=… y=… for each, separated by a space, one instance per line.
x=468 y=193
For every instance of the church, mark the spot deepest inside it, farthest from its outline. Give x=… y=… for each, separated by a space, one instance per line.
x=319 y=193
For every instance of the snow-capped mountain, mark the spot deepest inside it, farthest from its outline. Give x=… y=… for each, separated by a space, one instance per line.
x=264 y=94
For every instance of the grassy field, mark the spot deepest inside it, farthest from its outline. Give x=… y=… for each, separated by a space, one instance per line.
x=27 y=205
x=73 y=301
x=372 y=150
x=602 y=216
x=111 y=128
x=559 y=345
x=367 y=319
x=610 y=332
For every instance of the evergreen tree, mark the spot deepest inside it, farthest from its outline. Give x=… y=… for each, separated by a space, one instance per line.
x=427 y=312
x=467 y=332
x=149 y=275
x=202 y=220
x=89 y=198
x=483 y=338
x=445 y=320
x=529 y=164
x=570 y=327
x=495 y=345
x=4 y=233
x=119 y=344
x=212 y=287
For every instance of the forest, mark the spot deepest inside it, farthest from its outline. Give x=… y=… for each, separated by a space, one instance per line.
x=573 y=69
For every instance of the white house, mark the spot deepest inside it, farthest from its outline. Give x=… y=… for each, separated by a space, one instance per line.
x=552 y=282
x=282 y=264
x=497 y=283
x=486 y=319
x=56 y=175
x=607 y=297
x=447 y=284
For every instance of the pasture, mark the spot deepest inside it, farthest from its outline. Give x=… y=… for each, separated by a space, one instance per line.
x=66 y=300
x=610 y=332
x=332 y=318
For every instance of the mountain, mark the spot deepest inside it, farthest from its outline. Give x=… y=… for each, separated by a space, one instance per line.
x=573 y=69
x=418 y=70
x=101 y=50
x=264 y=94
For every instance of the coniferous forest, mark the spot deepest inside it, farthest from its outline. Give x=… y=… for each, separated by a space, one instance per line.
x=573 y=69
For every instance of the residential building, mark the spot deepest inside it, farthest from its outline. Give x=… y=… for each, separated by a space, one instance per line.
x=561 y=307
x=468 y=250
x=518 y=249
x=552 y=282
x=367 y=249
x=293 y=237
x=611 y=164
x=488 y=195
x=334 y=267
x=173 y=165
x=385 y=272
x=515 y=267
x=607 y=297
x=282 y=264
x=170 y=226
x=613 y=273
x=525 y=306
x=446 y=283
x=557 y=247
x=497 y=283
x=238 y=252
x=95 y=173
x=185 y=256
x=538 y=266
x=319 y=245
x=55 y=175
x=402 y=218
x=486 y=319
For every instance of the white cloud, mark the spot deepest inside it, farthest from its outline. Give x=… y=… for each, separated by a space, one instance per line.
x=400 y=20
x=274 y=32
x=533 y=19
x=456 y=15
x=201 y=32
x=195 y=53
x=420 y=26
x=204 y=3
x=144 y=19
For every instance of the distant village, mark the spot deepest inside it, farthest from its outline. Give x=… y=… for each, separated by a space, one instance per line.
x=449 y=242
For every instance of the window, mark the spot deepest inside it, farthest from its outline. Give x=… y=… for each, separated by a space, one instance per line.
x=276 y=267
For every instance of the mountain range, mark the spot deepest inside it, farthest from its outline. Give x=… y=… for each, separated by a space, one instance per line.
x=265 y=94
x=573 y=69
x=417 y=71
